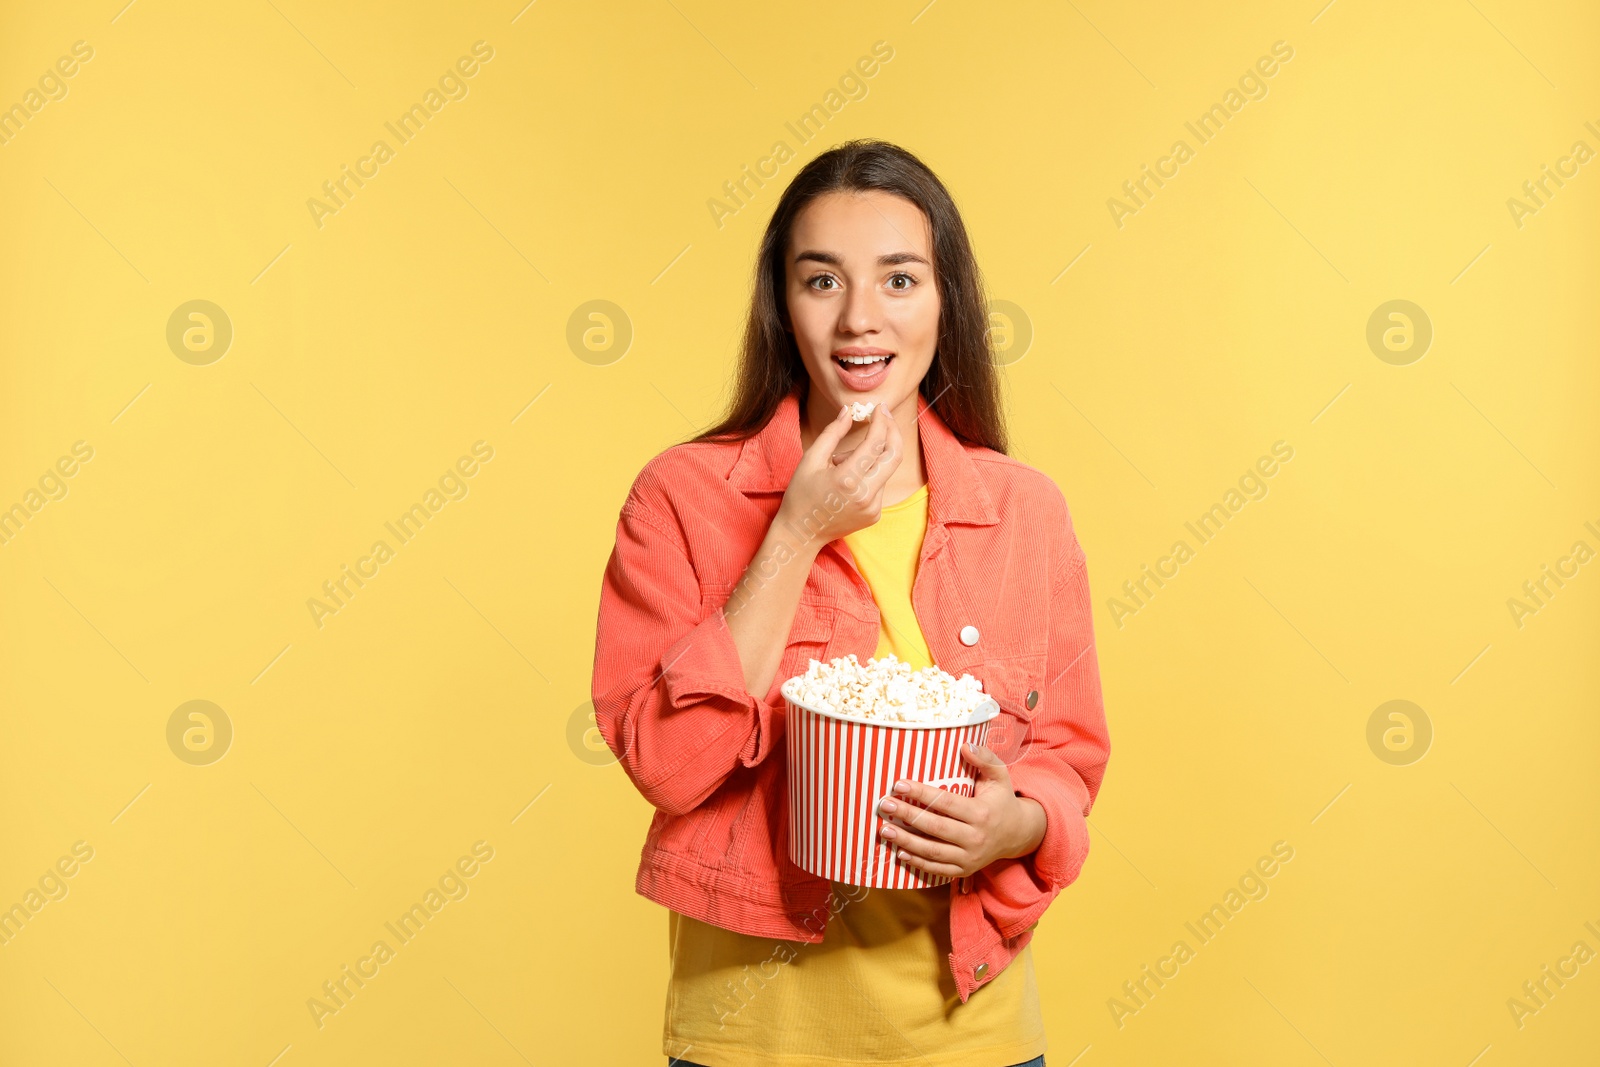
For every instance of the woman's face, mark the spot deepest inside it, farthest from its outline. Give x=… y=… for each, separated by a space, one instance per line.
x=859 y=281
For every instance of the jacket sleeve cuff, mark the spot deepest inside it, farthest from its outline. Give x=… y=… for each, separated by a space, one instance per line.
x=704 y=663
x=1019 y=889
x=1065 y=846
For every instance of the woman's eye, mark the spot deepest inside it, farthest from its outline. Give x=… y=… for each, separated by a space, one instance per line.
x=816 y=282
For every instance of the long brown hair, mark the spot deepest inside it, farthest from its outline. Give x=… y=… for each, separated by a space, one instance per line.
x=962 y=383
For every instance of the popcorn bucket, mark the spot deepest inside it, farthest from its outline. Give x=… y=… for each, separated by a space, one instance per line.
x=841 y=767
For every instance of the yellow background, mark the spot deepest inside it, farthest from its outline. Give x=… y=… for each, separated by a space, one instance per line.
x=436 y=709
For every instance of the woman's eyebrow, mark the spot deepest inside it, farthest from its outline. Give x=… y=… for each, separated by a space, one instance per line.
x=888 y=259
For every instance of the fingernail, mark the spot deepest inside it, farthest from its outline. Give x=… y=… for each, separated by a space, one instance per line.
x=901 y=787
x=888 y=805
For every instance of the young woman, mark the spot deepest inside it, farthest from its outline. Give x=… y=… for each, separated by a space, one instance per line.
x=789 y=532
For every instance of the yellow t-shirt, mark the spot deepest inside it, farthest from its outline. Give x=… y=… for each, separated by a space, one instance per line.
x=877 y=988
x=886 y=554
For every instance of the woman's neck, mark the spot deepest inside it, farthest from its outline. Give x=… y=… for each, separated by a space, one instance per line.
x=908 y=477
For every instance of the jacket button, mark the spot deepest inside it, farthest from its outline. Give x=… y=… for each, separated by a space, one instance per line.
x=980 y=970
x=969 y=635
x=1033 y=699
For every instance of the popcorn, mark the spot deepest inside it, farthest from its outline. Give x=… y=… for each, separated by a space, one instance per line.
x=886 y=689
x=860 y=412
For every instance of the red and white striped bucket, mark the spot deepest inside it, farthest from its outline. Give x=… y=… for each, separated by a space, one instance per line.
x=840 y=768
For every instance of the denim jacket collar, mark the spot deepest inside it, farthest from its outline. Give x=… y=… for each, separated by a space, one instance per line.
x=767 y=460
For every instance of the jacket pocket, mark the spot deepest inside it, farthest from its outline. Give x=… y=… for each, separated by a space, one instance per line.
x=810 y=637
x=810 y=633
x=1011 y=682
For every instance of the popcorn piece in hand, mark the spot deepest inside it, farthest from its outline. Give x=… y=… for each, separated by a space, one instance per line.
x=886 y=689
x=860 y=412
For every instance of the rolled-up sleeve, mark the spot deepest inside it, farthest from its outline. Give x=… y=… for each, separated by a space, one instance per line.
x=1065 y=760
x=668 y=686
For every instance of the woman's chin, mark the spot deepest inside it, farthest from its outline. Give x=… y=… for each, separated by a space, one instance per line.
x=840 y=396
x=837 y=395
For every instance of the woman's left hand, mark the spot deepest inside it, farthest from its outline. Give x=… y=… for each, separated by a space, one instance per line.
x=945 y=834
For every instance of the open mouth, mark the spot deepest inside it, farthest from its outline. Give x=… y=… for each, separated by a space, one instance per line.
x=862 y=374
x=863 y=366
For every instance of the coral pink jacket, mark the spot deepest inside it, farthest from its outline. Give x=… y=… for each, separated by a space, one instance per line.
x=1000 y=566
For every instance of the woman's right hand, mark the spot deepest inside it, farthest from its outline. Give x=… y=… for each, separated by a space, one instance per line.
x=833 y=494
